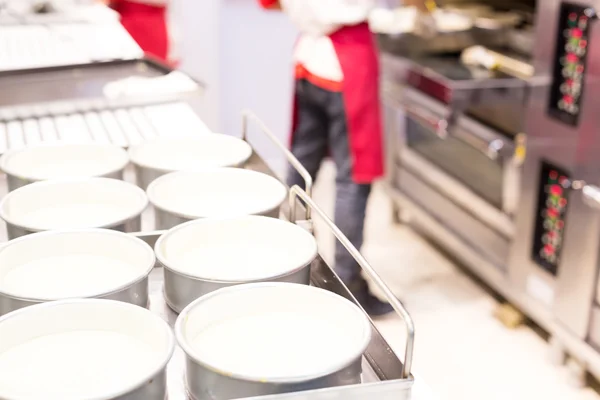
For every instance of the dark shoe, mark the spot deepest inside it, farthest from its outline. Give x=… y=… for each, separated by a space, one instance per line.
x=377 y=308
x=371 y=304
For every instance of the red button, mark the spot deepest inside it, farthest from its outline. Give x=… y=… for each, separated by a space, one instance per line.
x=576 y=33
x=572 y=58
x=549 y=249
x=556 y=190
x=562 y=202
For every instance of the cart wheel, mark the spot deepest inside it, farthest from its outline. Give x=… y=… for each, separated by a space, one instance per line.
x=576 y=373
x=557 y=354
x=509 y=316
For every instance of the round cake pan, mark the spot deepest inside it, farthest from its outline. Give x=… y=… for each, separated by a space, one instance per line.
x=73 y=204
x=270 y=338
x=60 y=161
x=219 y=192
x=208 y=254
x=58 y=265
x=84 y=349
x=159 y=157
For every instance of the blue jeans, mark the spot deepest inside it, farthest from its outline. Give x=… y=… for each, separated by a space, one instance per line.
x=322 y=129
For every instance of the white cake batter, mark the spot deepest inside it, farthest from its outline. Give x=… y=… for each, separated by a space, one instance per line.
x=275 y=345
x=217 y=193
x=220 y=203
x=73 y=216
x=213 y=150
x=65 y=168
x=68 y=276
x=191 y=162
x=243 y=262
x=74 y=365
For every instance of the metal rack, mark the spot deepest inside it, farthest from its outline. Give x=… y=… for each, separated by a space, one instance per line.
x=122 y=126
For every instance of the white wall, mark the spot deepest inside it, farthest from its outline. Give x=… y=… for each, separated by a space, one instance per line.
x=197 y=23
x=243 y=54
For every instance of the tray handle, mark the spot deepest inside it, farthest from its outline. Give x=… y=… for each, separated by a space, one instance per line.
x=308 y=181
x=297 y=192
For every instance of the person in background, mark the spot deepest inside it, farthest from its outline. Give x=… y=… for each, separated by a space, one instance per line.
x=146 y=22
x=337 y=113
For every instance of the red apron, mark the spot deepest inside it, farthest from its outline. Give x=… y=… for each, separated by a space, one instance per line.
x=147 y=24
x=357 y=54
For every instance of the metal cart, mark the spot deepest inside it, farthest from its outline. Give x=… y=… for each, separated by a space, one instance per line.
x=384 y=374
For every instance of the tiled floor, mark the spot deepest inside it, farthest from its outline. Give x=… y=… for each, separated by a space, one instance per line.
x=462 y=352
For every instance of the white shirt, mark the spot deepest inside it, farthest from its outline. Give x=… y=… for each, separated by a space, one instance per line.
x=152 y=2
x=316 y=19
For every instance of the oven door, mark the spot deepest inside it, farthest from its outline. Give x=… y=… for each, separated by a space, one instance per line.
x=463 y=173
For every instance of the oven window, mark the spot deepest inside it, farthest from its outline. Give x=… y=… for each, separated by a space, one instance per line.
x=466 y=164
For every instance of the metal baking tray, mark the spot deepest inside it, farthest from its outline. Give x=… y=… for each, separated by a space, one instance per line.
x=414 y=45
x=121 y=126
x=84 y=85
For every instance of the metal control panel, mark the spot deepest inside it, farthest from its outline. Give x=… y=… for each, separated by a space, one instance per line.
x=570 y=63
x=550 y=217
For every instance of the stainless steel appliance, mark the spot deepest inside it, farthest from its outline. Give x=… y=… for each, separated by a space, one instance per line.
x=554 y=258
x=455 y=140
x=562 y=144
x=527 y=225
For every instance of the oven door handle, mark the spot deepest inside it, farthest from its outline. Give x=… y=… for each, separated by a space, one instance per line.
x=490 y=148
x=438 y=125
x=443 y=128
x=415 y=107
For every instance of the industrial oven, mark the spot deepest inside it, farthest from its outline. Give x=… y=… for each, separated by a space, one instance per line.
x=455 y=149
x=500 y=169
x=554 y=257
